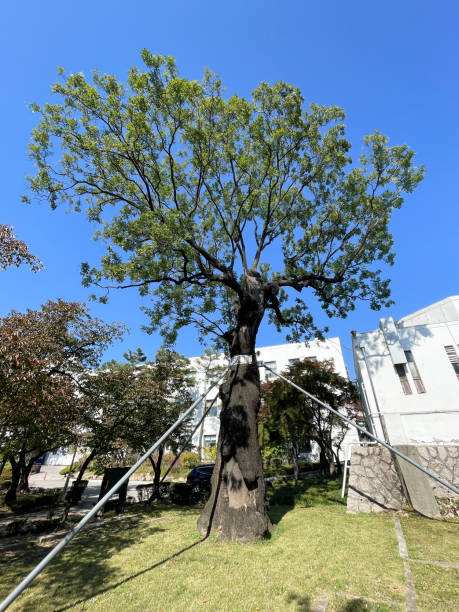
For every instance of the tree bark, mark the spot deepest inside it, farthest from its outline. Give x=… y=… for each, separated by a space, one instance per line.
x=296 y=467
x=2 y=464
x=156 y=465
x=15 y=478
x=84 y=466
x=236 y=509
x=25 y=473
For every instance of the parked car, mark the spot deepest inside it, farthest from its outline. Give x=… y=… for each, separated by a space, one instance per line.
x=200 y=475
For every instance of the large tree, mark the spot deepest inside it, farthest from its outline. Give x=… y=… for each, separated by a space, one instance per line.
x=44 y=355
x=220 y=207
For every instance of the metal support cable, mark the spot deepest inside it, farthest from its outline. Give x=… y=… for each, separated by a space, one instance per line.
x=71 y=534
x=364 y=431
x=187 y=441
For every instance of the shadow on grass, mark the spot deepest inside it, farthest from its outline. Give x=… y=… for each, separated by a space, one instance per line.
x=81 y=571
x=301 y=602
x=356 y=605
x=99 y=591
x=308 y=493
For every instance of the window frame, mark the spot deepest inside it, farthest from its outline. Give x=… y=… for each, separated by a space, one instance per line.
x=413 y=370
x=453 y=357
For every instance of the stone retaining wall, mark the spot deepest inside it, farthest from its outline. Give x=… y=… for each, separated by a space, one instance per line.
x=374 y=485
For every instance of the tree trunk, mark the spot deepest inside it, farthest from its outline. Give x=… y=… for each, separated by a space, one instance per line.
x=339 y=469
x=15 y=478
x=25 y=473
x=84 y=466
x=156 y=465
x=2 y=464
x=296 y=467
x=236 y=509
x=201 y=433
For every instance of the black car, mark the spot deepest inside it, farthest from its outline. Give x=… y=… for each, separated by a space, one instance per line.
x=200 y=475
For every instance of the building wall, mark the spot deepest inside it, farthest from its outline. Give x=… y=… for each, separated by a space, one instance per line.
x=428 y=417
x=281 y=355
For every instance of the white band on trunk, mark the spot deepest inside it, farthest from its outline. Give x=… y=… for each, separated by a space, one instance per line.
x=241 y=359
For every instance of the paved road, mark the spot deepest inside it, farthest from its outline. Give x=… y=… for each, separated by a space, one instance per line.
x=49 y=478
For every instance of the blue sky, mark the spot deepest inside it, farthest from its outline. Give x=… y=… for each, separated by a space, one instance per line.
x=392 y=66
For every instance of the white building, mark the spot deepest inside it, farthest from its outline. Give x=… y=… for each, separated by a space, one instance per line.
x=277 y=357
x=408 y=374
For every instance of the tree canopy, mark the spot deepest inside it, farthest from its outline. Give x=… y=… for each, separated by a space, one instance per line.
x=290 y=416
x=14 y=252
x=221 y=208
x=200 y=196
x=131 y=404
x=44 y=355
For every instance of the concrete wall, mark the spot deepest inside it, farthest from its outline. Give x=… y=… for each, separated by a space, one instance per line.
x=374 y=485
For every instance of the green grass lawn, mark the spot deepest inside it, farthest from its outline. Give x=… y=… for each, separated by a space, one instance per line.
x=436 y=540
x=157 y=561
x=436 y=587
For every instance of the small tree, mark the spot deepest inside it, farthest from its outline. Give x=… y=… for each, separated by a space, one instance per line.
x=292 y=417
x=223 y=209
x=163 y=393
x=131 y=404
x=108 y=397
x=43 y=356
x=283 y=428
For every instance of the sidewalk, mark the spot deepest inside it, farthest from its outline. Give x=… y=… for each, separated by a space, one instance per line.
x=12 y=525
x=49 y=478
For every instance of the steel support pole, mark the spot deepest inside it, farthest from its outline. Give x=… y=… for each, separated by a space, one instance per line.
x=364 y=431
x=188 y=440
x=347 y=456
x=71 y=534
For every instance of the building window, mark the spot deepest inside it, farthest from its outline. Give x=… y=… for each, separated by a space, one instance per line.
x=400 y=368
x=210 y=440
x=414 y=372
x=292 y=361
x=312 y=358
x=453 y=358
x=273 y=366
x=213 y=412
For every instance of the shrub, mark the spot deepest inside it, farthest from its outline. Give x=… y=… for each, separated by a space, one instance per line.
x=75 y=469
x=184 y=494
x=145 y=491
x=190 y=460
x=74 y=494
x=4 y=484
x=211 y=452
x=273 y=455
x=28 y=503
